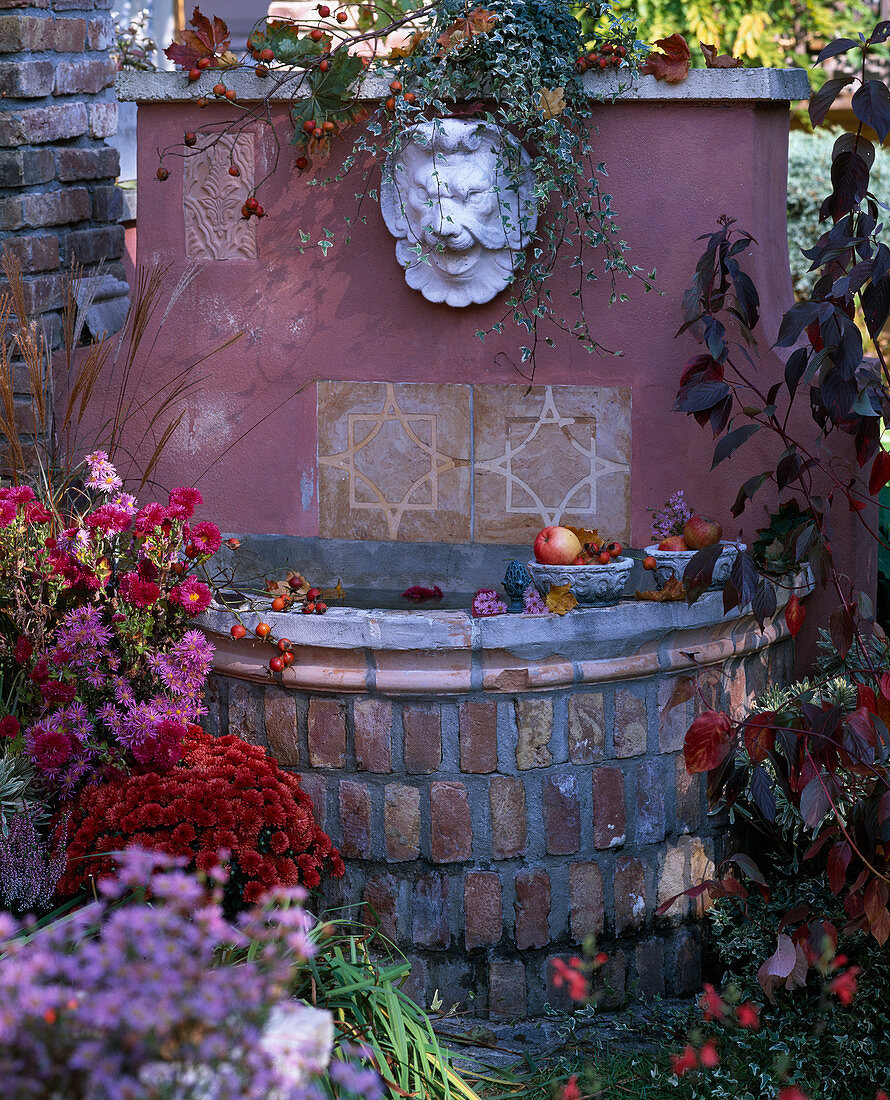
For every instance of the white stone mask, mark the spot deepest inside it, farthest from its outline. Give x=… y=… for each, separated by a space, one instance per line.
x=458 y=200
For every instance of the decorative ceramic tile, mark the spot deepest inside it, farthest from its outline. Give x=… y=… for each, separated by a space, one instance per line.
x=552 y=454
x=212 y=198
x=394 y=461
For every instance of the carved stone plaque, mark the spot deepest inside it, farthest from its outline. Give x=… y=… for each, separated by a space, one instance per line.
x=212 y=198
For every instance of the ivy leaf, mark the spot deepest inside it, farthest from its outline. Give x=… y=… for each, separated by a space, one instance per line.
x=560 y=599
x=672 y=64
x=714 y=60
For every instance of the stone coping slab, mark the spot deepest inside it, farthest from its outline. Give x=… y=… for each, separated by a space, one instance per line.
x=450 y=652
x=701 y=86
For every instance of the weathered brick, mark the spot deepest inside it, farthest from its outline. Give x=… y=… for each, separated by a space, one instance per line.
x=11 y=216
x=86 y=76
x=280 y=711
x=609 y=815
x=108 y=203
x=56 y=123
x=103 y=119
x=100 y=34
x=381 y=897
x=34 y=253
x=509 y=831
x=98 y=162
x=41 y=292
x=372 y=719
x=687 y=954
x=429 y=926
x=630 y=895
x=558 y=992
x=532 y=908
x=423 y=738
x=649 y=826
x=534 y=725
x=688 y=797
x=69 y=35
x=684 y=864
x=630 y=724
x=650 y=968
x=355 y=820
x=673 y=723
x=587 y=727
x=25 y=32
x=244 y=712
x=401 y=821
x=585 y=901
x=316 y=787
x=25 y=167
x=92 y=246
x=482 y=908
x=23 y=79
x=613 y=979
x=506 y=990
x=451 y=831
x=24 y=4
x=562 y=814
x=327 y=733
x=478 y=737
x=69 y=204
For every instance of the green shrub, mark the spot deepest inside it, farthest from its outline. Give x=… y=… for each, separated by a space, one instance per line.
x=809 y=168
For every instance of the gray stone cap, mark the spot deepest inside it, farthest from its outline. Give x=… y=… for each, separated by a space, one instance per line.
x=701 y=86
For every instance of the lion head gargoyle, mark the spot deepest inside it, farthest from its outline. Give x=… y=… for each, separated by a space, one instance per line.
x=458 y=198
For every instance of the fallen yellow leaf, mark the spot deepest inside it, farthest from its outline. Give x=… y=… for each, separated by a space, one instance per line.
x=561 y=599
x=673 y=590
x=552 y=102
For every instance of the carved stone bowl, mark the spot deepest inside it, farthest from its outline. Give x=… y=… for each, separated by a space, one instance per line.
x=592 y=585
x=674 y=562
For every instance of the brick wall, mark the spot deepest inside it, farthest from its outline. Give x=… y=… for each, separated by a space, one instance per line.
x=58 y=199
x=491 y=833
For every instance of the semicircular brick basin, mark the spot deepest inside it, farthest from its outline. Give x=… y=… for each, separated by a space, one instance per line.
x=503 y=788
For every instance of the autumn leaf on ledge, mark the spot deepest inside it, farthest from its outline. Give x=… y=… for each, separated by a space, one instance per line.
x=714 y=60
x=410 y=47
x=672 y=590
x=585 y=535
x=552 y=103
x=206 y=40
x=478 y=21
x=671 y=65
x=560 y=599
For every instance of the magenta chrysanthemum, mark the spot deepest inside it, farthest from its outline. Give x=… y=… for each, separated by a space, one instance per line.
x=7 y=512
x=191 y=595
x=49 y=748
x=184 y=501
x=206 y=537
x=137 y=592
x=164 y=747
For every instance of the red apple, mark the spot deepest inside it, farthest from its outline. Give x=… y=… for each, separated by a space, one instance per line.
x=557 y=546
x=700 y=531
x=673 y=542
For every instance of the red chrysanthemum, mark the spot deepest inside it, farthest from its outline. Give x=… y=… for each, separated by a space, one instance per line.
x=191 y=595
x=23 y=650
x=206 y=537
x=138 y=592
x=183 y=502
x=57 y=691
x=9 y=726
x=222 y=795
x=50 y=749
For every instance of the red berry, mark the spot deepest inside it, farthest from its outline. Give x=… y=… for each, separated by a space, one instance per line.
x=622 y=51
x=581 y=65
x=395 y=86
x=296 y=581
x=238 y=631
x=278 y=603
x=204 y=63
x=309 y=125
x=320 y=607
x=283 y=644
x=194 y=74
x=231 y=95
x=162 y=172
x=604 y=558
x=267 y=54
x=252 y=204
x=276 y=664
x=219 y=89
x=201 y=101
x=308 y=608
x=234 y=170
x=189 y=138
x=607 y=47
x=342 y=16
x=245 y=211
x=324 y=65
x=316 y=35
x=649 y=562
x=262 y=630
x=302 y=163
x=329 y=127
x=324 y=11
x=313 y=594
x=410 y=97
x=261 y=70
x=390 y=104
x=288 y=658
x=260 y=212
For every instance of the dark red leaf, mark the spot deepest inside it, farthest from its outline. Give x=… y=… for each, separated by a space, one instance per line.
x=760 y=738
x=707 y=742
x=880 y=472
x=838 y=861
x=671 y=65
x=794 y=615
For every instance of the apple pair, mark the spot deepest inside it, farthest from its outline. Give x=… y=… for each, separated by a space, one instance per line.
x=699 y=532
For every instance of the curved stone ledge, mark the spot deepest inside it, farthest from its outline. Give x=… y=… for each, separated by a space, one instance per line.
x=450 y=653
x=701 y=86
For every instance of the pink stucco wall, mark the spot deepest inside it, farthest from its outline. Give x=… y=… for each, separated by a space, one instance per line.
x=674 y=167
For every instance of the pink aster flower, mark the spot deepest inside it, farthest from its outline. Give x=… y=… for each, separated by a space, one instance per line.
x=191 y=595
x=534 y=604
x=183 y=502
x=57 y=691
x=36 y=513
x=206 y=537
x=487 y=602
x=9 y=726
